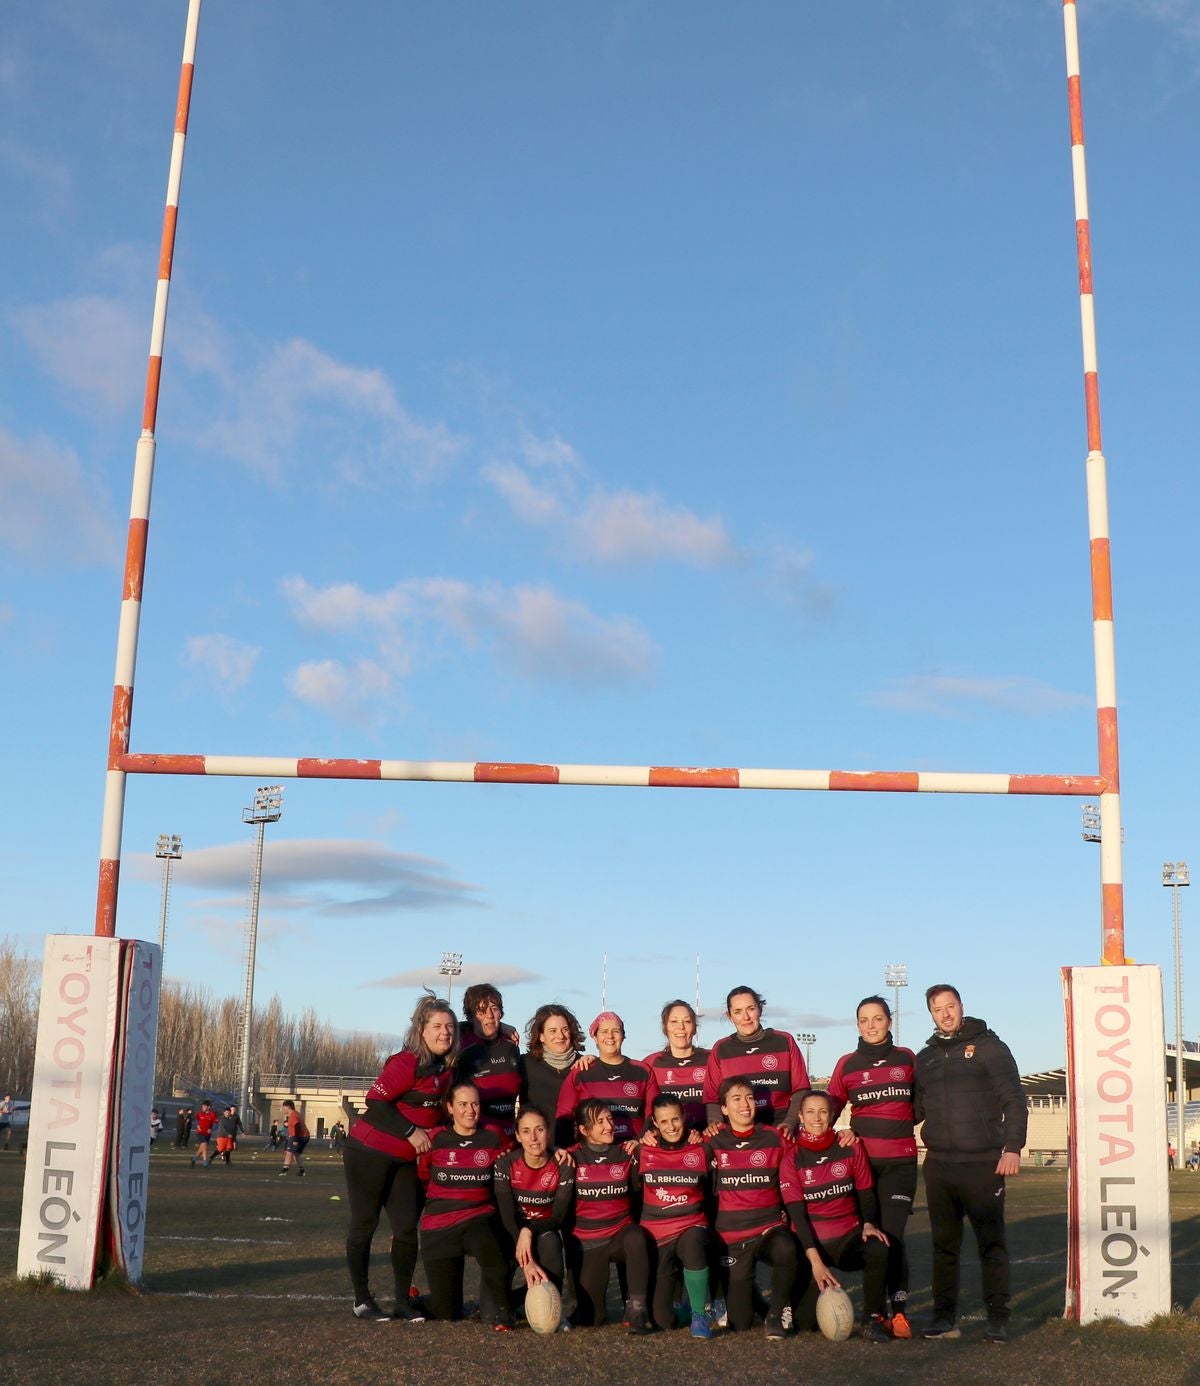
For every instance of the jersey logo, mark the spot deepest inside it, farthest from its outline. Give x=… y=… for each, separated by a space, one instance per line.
x=753 y=1049
x=969 y=1052
x=481 y=1157
x=691 y=1159
x=614 y=1171
x=630 y=1089
x=770 y=1061
x=840 y=1170
x=879 y=1063
x=697 y=1075
x=613 y=1078
x=822 y=1160
x=758 y=1157
x=740 y=1145
x=547 y=1179
x=452 y=1157
x=896 y=1074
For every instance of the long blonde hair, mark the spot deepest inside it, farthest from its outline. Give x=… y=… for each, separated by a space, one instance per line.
x=430 y=1005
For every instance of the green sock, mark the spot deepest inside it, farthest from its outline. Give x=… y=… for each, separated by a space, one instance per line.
x=697 y=1289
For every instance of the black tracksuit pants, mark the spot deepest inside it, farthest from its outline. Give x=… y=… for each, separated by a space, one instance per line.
x=971 y=1189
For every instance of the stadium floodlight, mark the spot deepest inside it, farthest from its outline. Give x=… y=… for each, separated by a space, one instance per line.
x=450 y=967
x=807 y=1039
x=1174 y=875
x=1090 y=815
x=266 y=808
x=169 y=849
x=895 y=975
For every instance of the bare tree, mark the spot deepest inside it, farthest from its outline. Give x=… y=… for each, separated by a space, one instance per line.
x=20 y=986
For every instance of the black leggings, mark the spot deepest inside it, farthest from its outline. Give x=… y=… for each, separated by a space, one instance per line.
x=690 y=1251
x=896 y=1188
x=630 y=1247
x=849 y=1253
x=444 y=1255
x=375 y=1182
x=548 y=1253
x=778 y=1249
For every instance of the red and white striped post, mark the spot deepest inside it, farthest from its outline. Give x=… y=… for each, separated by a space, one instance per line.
x=1111 y=884
x=139 y=518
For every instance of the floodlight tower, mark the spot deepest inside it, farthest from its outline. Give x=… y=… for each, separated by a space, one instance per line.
x=1174 y=875
x=450 y=967
x=807 y=1039
x=169 y=849
x=895 y=975
x=266 y=808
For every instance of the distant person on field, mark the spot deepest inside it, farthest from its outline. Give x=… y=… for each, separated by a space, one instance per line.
x=206 y=1119
x=297 y=1139
x=968 y=1094
x=181 y=1129
x=227 y=1132
x=273 y=1136
x=156 y=1125
x=1170 y=1156
x=7 y=1109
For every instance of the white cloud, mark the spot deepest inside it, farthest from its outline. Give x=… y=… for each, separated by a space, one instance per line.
x=227 y=663
x=529 y=629
x=343 y=691
x=91 y=344
x=499 y=974
x=941 y=695
x=50 y=508
x=551 y=491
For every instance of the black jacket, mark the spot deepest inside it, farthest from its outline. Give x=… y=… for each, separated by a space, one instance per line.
x=968 y=1094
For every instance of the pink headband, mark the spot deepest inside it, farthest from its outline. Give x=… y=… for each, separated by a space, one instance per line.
x=601 y=1018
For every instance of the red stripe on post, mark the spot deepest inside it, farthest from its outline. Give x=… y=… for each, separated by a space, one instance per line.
x=135 y=560
x=500 y=772
x=144 y=764
x=1083 y=249
x=150 y=408
x=683 y=777
x=1055 y=784
x=118 y=727
x=1075 y=106
x=1113 y=908
x=311 y=769
x=106 y=899
x=185 y=98
x=166 y=250
x=888 y=781
x=1106 y=734
x=1091 y=396
x=1101 y=580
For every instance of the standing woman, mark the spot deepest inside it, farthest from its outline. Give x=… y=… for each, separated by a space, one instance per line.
x=877 y=1081
x=605 y=1232
x=459 y=1216
x=768 y=1060
x=380 y=1156
x=679 y=1068
x=553 y=1042
x=489 y=1058
x=618 y=1082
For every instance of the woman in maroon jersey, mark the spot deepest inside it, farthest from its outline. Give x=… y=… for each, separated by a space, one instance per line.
x=679 y=1068
x=534 y=1194
x=877 y=1081
x=488 y=1056
x=767 y=1059
x=554 y=1041
x=380 y=1156
x=459 y=1216
x=618 y=1082
x=836 y=1222
x=604 y=1232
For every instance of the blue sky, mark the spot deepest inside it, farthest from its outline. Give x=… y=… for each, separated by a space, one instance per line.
x=667 y=384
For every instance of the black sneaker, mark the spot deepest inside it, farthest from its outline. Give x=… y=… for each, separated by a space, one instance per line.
x=638 y=1321
x=284 y=1170
x=996 y=1331
x=943 y=1326
x=409 y=1310
x=370 y=1311
x=875 y=1330
x=774 y=1326
x=299 y=1174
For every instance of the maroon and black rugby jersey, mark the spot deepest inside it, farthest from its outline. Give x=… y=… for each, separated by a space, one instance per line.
x=457 y=1171
x=676 y=1181
x=837 y=1188
x=753 y=1178
x=528 y=1197
x=621 y=1087
x=682 y=1078
x=404 y=1097
x=603 y=1191
x=494 y=1066
x=772 y=1064
x=877 y=1081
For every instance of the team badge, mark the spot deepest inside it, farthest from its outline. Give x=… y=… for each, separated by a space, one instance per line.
x=969 y=1052
x=840 y=1170
x=547 y=1179
x=481 y=1157
x=758 y=1157
x=770 y=1061
x=452 y=1157
x=724 y=1159
x=691 y=1160
x=614 y=1171
x=630 y=1089
x=809 y=1176
x=697 y=1075
x=896 y=1074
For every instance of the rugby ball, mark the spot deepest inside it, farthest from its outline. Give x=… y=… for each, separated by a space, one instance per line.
x=835 y=1315
x=543 y=1307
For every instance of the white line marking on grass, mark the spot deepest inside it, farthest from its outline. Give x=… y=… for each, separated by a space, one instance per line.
x=201 y=1294
x=236 y=1241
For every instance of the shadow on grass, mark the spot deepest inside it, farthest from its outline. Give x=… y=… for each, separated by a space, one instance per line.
x=249 y=1276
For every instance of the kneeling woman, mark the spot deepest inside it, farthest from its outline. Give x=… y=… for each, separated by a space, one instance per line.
x=534 y=1193
x=604 y=1230
x=836 y=1224
x=459 y=1217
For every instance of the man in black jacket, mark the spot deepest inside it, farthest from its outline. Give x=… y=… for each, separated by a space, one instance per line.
x=968 y=1094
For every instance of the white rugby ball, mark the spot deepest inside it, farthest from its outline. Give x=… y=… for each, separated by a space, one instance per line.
x=835 y=1314
x=543 y=1307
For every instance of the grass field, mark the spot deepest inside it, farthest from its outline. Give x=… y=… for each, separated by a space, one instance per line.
x=245 y=1281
